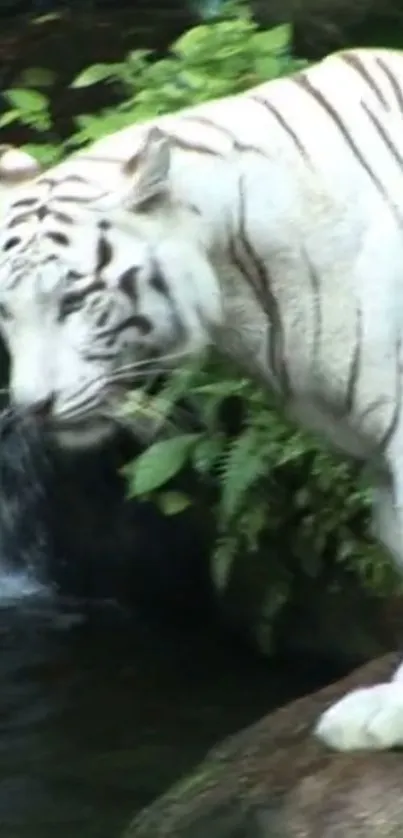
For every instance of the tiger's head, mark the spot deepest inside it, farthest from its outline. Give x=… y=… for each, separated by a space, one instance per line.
x=101 y=286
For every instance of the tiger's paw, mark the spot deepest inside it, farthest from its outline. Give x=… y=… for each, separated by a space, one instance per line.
x=368 y=719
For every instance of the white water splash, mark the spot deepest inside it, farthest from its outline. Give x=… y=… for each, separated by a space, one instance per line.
x=18 y=585
x=23 y=499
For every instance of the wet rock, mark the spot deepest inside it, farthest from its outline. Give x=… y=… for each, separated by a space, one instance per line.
x=274 y=780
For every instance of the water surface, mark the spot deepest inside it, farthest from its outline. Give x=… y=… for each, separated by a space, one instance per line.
x=98 y=718
x=101 y=709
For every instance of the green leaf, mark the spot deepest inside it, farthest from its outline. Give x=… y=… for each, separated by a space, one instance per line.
x=275 y=599
x=93 y=75
x=207 y=452
x=155 y=466
x=47 y=155
x=29 y=101
x=222 y=561
x=274 y=40
x=190 y=44
x=266 y=67
x=243 y=466
x=9 y=117
x=172 y=503
x=223 y=388
x=48 y=18
x=37 y=77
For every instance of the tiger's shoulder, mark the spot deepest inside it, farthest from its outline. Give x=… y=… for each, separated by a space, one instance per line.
x=339 y=82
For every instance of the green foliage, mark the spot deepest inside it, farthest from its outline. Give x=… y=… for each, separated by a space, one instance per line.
x=31 y=103
x=164 y=460
x=208 y=61
x=271 y=486
x=271 y=481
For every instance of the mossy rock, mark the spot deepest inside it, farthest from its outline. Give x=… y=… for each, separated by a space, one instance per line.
x=274 y=780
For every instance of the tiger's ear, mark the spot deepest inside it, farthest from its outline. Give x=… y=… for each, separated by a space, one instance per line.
x=16 y=167
x=148 y=170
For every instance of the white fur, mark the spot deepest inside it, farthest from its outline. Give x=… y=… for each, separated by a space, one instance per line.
x=370 y=718
x=319 y=227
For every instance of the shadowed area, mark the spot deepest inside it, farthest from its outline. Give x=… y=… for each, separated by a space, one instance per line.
x=65 y=522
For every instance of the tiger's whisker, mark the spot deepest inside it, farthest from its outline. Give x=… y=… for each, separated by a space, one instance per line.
x=144 y=365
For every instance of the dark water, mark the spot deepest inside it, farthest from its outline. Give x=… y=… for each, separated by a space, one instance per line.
x=95 y=721
x=101 y=713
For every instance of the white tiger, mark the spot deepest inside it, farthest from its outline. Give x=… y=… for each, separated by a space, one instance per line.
x=268 y=224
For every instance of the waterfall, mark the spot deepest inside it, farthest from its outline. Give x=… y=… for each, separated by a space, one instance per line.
x=24 y=468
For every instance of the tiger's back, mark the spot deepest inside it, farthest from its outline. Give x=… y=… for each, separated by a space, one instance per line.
x=297 y=119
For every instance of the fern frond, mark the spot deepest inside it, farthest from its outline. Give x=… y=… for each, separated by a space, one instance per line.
x=241 y=466
x=224 y=553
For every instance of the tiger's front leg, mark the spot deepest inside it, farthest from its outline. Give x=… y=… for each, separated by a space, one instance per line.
x=371 y=718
